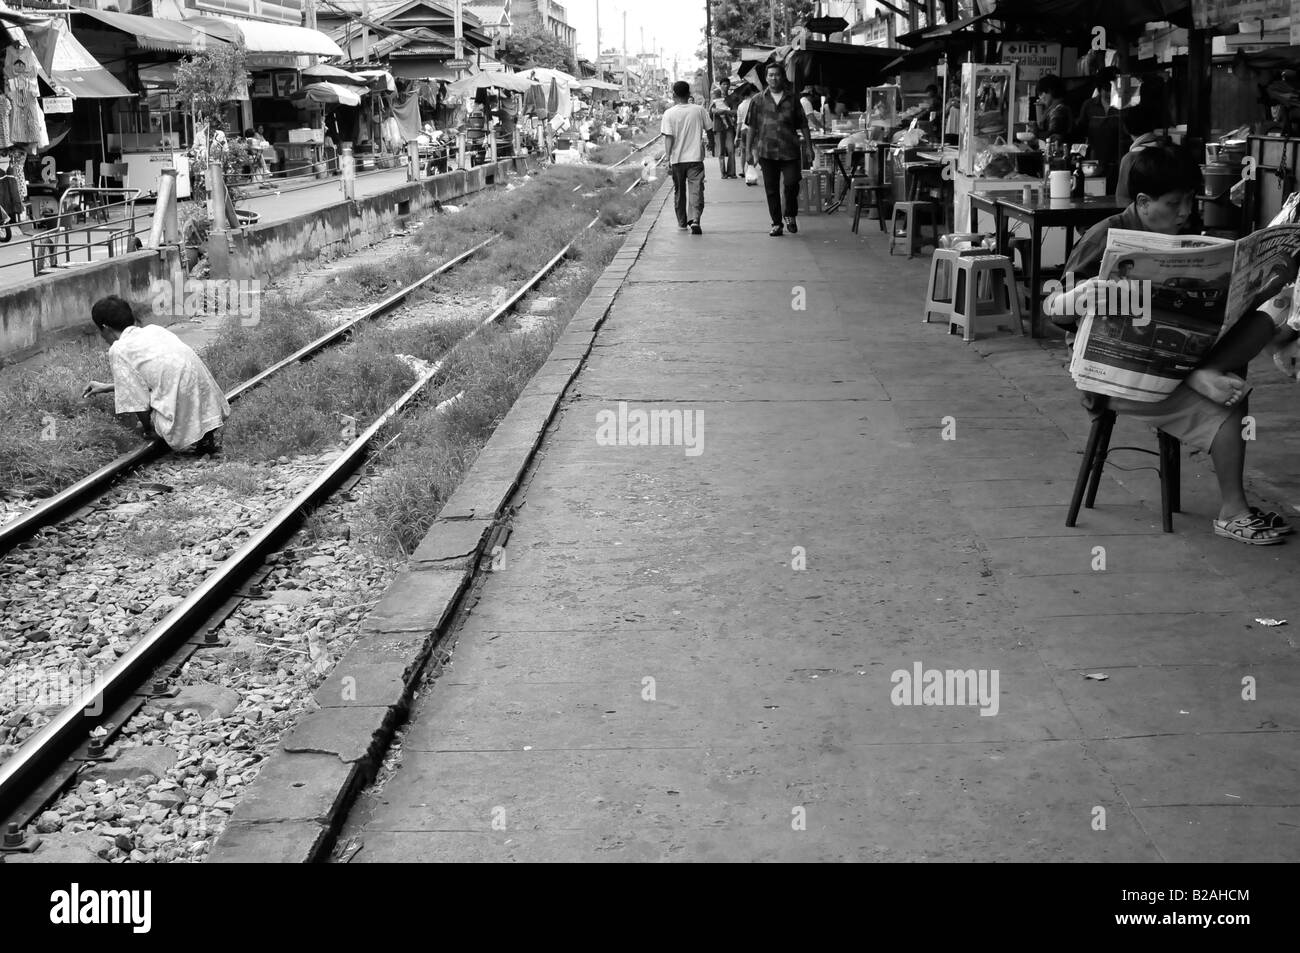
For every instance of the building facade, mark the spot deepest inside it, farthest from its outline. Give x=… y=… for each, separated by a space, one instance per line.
x=545 y=15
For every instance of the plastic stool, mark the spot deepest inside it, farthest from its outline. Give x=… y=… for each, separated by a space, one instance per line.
x=866 y=194
x=1002 y=302
x=943 y=279
x=911 y=230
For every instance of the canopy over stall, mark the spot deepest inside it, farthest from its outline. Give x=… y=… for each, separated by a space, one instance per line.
x=331 y=94
x=469 y=85
x=333 y=74
x=836 y=65
x=258 y=37
x=69 y=67
x=168 y=36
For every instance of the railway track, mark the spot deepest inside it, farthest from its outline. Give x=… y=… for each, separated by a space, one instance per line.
x=84 y=730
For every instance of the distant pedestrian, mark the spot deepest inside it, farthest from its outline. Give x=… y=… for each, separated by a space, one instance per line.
x=160 y=379
x=683 y=128
x=775 y=121
x=724 y=129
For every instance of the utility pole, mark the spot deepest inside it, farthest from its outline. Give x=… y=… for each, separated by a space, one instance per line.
x=771 y=22
x=600 y=50
x=458 y=25
x=708 y=47
x=625 y=76
x=365 y=32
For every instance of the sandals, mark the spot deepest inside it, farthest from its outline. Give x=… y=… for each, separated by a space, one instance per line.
x=1249 y=529
x=1274 y=521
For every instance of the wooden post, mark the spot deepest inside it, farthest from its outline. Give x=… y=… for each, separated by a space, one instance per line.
x=1198 y=99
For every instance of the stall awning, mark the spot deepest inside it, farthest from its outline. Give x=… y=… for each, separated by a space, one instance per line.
x=150 y=33
x=258 y=37
x=331 y=94
x=69 y=66
x=334 y=75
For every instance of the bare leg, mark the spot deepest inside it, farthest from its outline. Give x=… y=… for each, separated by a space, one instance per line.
x=1228 y=451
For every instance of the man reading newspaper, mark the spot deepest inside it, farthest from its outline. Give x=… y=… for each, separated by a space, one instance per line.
x=1169 y=325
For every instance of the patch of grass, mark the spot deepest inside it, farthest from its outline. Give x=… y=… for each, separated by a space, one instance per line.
x=238 y=479
x=52 y=436
x=148 y=539
x=238 y=352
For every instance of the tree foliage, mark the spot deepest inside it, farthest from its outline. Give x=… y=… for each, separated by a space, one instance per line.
x=739 y=23
x=536 y=48
x=748 y=22
x=209 y=79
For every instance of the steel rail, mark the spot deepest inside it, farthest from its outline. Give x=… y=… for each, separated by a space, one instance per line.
x=39 y=755
x=50 y=510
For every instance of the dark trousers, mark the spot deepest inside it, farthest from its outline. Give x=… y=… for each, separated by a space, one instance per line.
x=781 y=175
x=726 y=150
x=688 y=191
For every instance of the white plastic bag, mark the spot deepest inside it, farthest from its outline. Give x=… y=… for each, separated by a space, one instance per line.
x=751 y=174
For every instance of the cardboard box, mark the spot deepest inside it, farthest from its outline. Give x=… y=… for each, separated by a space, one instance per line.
x=301 y=136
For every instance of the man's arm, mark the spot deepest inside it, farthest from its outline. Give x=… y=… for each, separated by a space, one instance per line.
x=668 y=145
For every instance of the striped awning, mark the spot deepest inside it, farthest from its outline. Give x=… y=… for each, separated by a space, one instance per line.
x=169 y=36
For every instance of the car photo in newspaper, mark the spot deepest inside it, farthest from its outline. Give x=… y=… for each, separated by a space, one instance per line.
x=1168 y=300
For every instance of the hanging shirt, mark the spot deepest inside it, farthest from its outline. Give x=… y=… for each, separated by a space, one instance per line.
x=154 y=370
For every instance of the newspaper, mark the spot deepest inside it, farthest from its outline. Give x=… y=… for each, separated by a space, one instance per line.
x=1169 y=299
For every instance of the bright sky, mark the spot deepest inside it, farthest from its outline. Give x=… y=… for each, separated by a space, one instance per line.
x=676 y=26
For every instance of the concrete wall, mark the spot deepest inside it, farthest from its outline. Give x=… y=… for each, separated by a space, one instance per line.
x=36 y=313
x=276 y=249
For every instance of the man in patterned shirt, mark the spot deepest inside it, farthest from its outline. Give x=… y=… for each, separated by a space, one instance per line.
x=775 y=122
x=160 y=379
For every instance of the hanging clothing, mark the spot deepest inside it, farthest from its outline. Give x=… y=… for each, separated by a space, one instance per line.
x=26 y=120
x=408 y=117
x=5 y=140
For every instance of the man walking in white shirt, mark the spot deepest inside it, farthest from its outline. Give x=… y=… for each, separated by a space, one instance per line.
x=683 y=128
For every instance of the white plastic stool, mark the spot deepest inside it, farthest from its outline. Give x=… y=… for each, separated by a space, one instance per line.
x=1002 y=304
x=943 y=278
x=938 y=300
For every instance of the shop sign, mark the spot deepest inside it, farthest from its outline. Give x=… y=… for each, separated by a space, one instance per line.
x=1032 y=60
x=286 y=84
x=1208 y=13
x=263 y=87
x=56 y=104
x=458 y=64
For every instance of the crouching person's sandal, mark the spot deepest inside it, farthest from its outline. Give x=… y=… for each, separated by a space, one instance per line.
x=1274 y=521
x=1248 y=528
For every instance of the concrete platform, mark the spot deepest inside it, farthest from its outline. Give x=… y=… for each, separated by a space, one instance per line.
x=692 y=656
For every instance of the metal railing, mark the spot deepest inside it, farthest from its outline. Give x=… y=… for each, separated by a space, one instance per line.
x=51 y=243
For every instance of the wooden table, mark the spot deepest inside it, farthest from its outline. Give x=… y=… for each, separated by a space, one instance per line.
x=1041 y=213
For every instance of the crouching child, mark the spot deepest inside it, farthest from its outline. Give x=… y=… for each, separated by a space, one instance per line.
x=160 y=379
